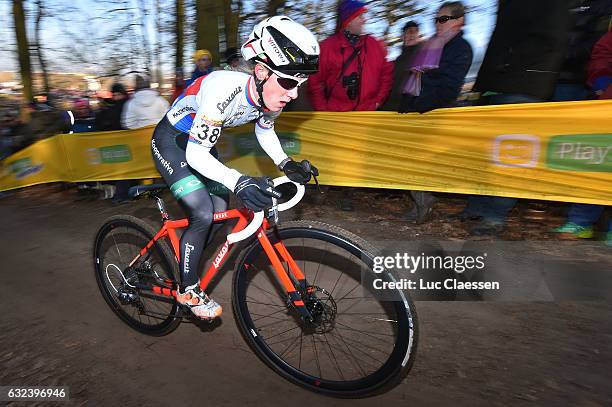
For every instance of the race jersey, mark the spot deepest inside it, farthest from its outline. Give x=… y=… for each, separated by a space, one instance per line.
x=219 y=100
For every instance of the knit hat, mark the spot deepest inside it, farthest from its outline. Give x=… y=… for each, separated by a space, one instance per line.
x=349 y=10
x=200 y=53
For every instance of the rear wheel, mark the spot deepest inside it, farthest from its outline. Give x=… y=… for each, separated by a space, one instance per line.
x=357 y=344
x=117 y=243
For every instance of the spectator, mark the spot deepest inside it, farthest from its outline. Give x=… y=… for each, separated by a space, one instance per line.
x=581 y=217
x=440 y=65
x=411 y=40
x=179 y=84
x=44 y=122
x=203 y=60
x=438 y=70
x=521 y=65
x=354 y=73
x=589 y=20
x=233 y=57
x=145 y=108
x=109 y=118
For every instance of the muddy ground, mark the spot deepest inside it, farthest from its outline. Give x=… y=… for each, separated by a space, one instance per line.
x=56 y=328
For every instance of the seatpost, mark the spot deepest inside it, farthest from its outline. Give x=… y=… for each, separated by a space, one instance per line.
x=162 y=208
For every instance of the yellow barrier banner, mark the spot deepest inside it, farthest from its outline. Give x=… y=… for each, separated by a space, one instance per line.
x=550 y=151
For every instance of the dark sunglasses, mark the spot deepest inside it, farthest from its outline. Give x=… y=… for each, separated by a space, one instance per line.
x=287 y=83
x=444 y=19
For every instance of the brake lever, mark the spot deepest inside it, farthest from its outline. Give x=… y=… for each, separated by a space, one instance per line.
x=273 y=211
x=314 y=176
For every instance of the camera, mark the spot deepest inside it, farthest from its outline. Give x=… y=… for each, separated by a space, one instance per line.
x=351 y=83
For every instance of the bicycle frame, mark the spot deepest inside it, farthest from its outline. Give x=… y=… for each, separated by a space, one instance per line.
x=169 y=231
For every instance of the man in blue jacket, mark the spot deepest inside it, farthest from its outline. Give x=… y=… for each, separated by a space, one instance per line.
x=440 y=82
x=438 y=70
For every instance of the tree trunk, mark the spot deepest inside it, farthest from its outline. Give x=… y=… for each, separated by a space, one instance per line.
x=232 y=22
x=23 y=51
x=274 y=6
x=179 y=34
x=158 y=46
x=40 y=12
x=207 y=26
x=145 y=37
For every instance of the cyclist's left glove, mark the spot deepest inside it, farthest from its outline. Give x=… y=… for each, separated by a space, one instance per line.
x=256 y=192
x=299 y=172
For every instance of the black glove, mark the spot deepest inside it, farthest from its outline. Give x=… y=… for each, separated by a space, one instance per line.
x=299 y=172
x=256 y=192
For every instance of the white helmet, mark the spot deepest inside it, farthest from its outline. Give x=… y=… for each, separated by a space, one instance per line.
x=283 y=45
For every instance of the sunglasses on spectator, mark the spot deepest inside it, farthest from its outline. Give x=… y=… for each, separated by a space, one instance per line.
x=204 y=59
x=444 y=19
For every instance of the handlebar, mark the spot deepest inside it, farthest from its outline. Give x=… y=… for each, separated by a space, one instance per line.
x=259 y=216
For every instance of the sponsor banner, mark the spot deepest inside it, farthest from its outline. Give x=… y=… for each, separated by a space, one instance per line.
x=549 y=151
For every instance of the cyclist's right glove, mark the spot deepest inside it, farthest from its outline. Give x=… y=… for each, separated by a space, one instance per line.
x=256 y=192
x=299 y=172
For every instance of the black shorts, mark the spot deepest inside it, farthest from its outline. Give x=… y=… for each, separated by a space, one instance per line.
x=168 y=146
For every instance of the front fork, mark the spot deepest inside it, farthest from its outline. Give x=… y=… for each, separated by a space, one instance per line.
x=296 y=293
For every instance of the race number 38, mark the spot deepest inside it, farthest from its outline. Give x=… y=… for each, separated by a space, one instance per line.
x=208 y=133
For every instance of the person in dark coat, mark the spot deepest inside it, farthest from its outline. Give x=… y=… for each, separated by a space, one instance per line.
x=411 y=40
x=438 y=70
x=521 y=65
x=589 y=20
x=440 y=65
x=109 y=118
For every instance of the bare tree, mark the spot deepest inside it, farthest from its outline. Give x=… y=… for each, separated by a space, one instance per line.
x=158 y=44
x=179 y=34
x=231 y=13
x=23 y=50
x=40 y=13
x=208 y=13
x=274 y=6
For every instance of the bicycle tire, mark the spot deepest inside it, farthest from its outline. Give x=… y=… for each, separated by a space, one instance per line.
x=112 y=254
x=391 y=371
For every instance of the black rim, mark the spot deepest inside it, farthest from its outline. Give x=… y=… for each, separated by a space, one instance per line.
x=359 y=348
x=117 y=244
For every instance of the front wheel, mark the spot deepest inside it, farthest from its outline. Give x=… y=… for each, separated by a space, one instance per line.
x=358 y=343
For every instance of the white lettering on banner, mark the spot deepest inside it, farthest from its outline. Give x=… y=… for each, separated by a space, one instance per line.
x=221 y=255
x=516 y=150
x=578 y=151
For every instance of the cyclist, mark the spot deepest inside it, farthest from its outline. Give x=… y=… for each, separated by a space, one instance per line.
x=279 y=54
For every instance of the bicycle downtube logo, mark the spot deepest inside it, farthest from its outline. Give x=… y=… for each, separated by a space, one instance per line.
x=221 y=255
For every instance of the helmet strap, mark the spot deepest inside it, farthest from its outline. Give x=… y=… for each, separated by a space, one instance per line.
x=259 y=84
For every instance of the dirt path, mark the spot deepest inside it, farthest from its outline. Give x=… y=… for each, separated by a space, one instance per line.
x=56 y=330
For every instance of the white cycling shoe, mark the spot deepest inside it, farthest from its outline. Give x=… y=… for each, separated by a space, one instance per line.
x=200 y=304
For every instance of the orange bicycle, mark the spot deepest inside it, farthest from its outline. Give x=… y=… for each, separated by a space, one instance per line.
x=302 y=295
